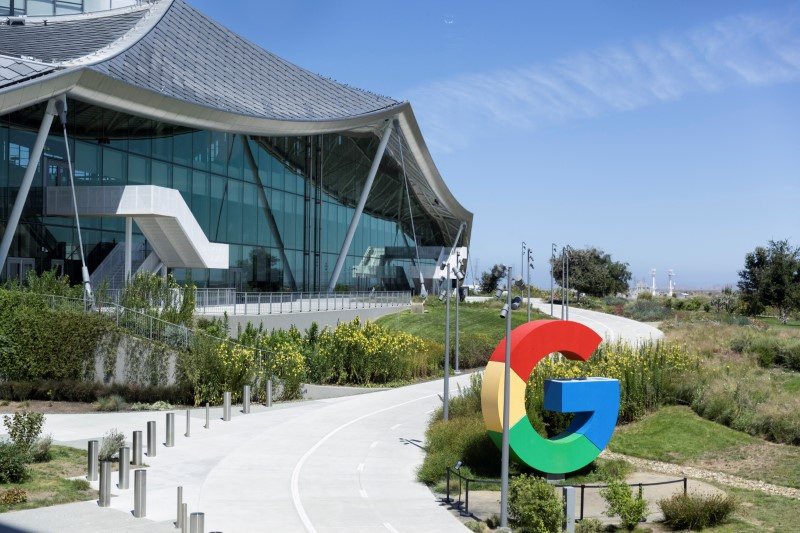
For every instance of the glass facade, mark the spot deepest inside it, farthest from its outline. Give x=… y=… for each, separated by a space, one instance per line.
x=283 y=204
x=44 y=8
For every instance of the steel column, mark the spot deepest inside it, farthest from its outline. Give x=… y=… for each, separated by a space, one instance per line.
x=351 y=231
x=128 y=249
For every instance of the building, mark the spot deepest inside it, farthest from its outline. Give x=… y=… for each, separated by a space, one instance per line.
x=208 y=154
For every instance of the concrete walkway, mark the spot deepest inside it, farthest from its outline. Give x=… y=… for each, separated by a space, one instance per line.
x=340 y=464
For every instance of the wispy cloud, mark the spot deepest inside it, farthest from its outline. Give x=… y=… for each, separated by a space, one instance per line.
x=737 y=51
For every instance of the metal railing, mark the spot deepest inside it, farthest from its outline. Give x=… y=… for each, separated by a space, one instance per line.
x=219 y=301
x=463 y=506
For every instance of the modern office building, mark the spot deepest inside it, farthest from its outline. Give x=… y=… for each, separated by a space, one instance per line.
x=207 y=154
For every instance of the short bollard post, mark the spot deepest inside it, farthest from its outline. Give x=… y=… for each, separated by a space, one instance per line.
x=137 y=448
x=140 y=493
x=569 y=504
x=170 y=430
x=269 y=392
x=208 y=416
x=197 y=523
x=179 y=519
x=188 y=423
x=185 y=518
x=246 y=400
x=91 y=471
x=226 y=406
x=124 y=468
x=151 y=439
x=105 y=484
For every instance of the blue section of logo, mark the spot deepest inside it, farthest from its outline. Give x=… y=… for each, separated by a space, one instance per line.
x=595 y=402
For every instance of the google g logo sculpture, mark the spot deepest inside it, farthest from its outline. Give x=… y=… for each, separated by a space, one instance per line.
x=595 y=401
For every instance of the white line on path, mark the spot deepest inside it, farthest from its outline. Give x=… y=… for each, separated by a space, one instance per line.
x=395 y=426
x=611 y=331
x=360 y=467
x=388 y=526
x=298 y=505
x=363 y=493
x=430 y=412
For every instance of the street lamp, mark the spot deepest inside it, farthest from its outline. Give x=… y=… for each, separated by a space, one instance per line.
x=566 y=292
x=552 y=263
x=563 y=279
x=506 y=401
x=459 y=277
x=522 y=258
x=530 y=266
x=447 y=349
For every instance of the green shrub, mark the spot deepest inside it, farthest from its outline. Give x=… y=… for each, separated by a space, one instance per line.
x=40 y=451
x=24 y=428
x=621 y=503
x=647 y=310
x=697 y=511
x=13 y=463
x=113 y=402
x=113 y=440
x=155 y=406
x=13 y=496
x=589 y=525
x=533 y=505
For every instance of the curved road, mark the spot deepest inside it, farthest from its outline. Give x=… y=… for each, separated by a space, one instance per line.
x=343 y=464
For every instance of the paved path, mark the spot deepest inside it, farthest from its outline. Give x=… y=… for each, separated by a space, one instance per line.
x=341 y=464
x=611 y=327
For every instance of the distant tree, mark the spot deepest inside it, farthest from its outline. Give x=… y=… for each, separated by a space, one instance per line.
x=727 y=300
x=490 y=279
x=771 y=278
x=592 y=271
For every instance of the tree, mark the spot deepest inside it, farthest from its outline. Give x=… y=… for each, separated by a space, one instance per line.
x=490 y=279
x=592 y=271
x=771 y=278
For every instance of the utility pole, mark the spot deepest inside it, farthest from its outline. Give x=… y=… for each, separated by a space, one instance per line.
x=552 y=277
x=530 y=266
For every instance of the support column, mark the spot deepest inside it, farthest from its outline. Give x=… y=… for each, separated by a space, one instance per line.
x=351 y=231
x=128 y=248
x=27 y=179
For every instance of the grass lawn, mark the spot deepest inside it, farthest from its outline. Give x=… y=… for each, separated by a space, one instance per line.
x=761 y=512
x=776 y=323
x=47 y=484
x=482 y=318
x=677 y=435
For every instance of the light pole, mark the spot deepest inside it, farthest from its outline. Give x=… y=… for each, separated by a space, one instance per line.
x=566 y=292
x=506 y=401
x=458 y=297
x=563 y=278
x=522 y=258
x=447 y=348
x=530 y=266
x=552 y=277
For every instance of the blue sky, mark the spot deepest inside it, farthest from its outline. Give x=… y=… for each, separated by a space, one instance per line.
x=665 y=132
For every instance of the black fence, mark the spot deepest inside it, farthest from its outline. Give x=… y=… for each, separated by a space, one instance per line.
x=463 y=506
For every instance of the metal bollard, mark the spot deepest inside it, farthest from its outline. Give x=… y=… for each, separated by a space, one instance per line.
x=208 y=416
x=140 y=493
x=170 y=430
x=226 y=406
x=124 y=468
x=137 y=448
x=269 y=392
x=91 y=471
x=105 y=484
x=246 y=400
x=151 y=439
x=179 y=519
x=569 y=504
x=188 y=423
x=197 y=523
x=185 y=518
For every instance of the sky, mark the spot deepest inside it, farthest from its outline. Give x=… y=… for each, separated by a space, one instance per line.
x=666 y=132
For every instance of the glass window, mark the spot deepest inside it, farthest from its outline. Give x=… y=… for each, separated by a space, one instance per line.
x=162 y=174
x=87 y=163
x=265 y=237
x=218 y=152
x=234 y=211
x=180 y=181
x=3 y=161
x=182 y=149
x=200 y=200
x=113 y=167
x=218 y=213
x=200 y=149
x=277 y=174
x=96 y=5
x=162 y=147
x=236 y=157
x=138 y=170
x=39 y=7
x=250 y=214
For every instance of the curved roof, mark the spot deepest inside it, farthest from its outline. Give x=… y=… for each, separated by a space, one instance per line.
x=168 y=62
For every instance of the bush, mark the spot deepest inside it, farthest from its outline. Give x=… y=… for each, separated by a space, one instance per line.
x=697 y=511
x=155 y=406
x=113 y=440
x=13 y=461
x=113 y=402
x=621 y=503
x=40 y=451
x=24 y=428
x=589 y=525
x=647 y=310
x=13 y=496
x=533 y=505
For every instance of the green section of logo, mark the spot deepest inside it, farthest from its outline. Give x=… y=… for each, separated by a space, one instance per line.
x=561 y=454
